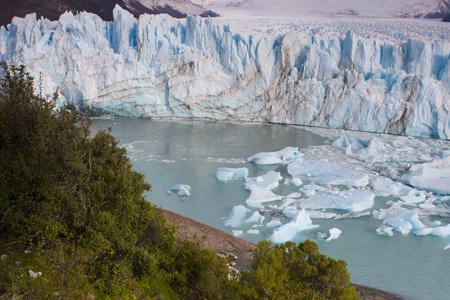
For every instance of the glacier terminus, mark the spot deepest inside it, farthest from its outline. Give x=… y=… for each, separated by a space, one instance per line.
x=161 y=67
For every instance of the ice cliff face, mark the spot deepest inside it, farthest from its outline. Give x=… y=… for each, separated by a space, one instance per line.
x=157 y=66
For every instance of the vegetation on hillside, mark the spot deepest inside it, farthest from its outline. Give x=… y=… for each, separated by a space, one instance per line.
x=74 y=223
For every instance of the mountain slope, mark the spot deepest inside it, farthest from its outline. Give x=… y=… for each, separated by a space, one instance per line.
x=52 y=9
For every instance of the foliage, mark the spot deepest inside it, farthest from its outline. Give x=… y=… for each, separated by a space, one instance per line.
x=288 y=271
x=72 y=207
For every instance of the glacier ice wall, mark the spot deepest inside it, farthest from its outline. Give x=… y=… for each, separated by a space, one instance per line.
x=156 y=66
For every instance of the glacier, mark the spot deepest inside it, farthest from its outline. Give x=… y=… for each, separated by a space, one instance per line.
x=160 y=67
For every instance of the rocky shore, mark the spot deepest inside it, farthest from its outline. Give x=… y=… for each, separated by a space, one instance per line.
x=229 y=246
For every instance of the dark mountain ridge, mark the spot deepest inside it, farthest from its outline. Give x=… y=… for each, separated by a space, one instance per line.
x=52 y=9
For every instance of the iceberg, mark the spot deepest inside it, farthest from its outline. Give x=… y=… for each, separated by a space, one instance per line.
x=256 y=217
x=300 y=222
x=440 y=231
x=353 y=201
x=237 y=216
x=432 y=177
x=325 y=173
x=181 y=190
x=228 y=174
x=385 y=230
x=261 y=188
x=157 y=66
x=400 y=219
x=408 y=195
x=335 y=233
x=286 y=155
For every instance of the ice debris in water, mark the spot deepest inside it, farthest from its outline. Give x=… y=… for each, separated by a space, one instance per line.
x=433 y=177
x=326 y=173
x=440 y=231
x=181 y=190
x=400 y=219
x=335 y=233
x=253 y=231
x=273 y=223
x=256 y=217
x=447 y=246
x=353 y=201
x=300 y=222
x=237 y=232
x=385 y=230
x=286 y=155
x=228 y=174
x=261 y=188
x=237 y=216
x=408 y=195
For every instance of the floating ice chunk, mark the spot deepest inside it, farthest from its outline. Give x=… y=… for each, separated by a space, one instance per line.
x=349 y=144
x=300 y=222
x=447 y=247
x=260 y=188
x=253 y=231
x=432 y=177
x=273 y=223
x=237 y=216
x=400 y=219
x=227 y=174
x=290 y=212
x=334 y=234
x=413 y=197
x=181 y=190
x=384 y=230
x=440 y=231
x=372 y=151
x=326 y=173
x=294 y=181
x=354 y=201
x=286 y=155
x=255 y=218
x=317 y=214
x=237 y=232
x=407 y=194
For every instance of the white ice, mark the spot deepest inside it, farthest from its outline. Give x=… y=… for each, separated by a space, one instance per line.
x=326 y=173
x=228 y=174
x=237 y=216
x=353 y=201
x=433 y=177
x=181 y=190
x=385 y=230
x=335 y=233
x=400 y=219
x=300 y=222
x=440 y=231
x=261 y=188
x=286 y=155
x=256 y=217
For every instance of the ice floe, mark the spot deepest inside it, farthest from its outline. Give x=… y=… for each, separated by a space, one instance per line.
x=181 y=190
x=400 y=219
x=385 y=230
x=238 y=215
x=256 y=217
x=325 y=173
x=286 y=155
x=335 y=233
x=300 y=222
x=353 y=201
x=433 y=177
x=228 y=174
x=261 y=188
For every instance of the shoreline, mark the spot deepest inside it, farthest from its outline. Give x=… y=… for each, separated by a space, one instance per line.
x=222 y=242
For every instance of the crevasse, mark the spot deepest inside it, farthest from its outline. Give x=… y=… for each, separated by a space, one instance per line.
x=157 y=66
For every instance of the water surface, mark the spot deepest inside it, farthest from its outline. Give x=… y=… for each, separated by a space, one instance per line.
x=173 y=152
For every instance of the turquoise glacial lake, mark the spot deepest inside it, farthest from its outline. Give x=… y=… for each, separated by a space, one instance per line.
x=189 y=152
